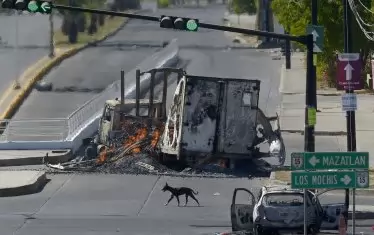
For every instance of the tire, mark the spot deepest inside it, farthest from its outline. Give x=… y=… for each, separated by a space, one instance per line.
x=313 y=230
x=43 y=86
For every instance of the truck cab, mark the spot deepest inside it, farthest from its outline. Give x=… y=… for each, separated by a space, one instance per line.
x=114 y=110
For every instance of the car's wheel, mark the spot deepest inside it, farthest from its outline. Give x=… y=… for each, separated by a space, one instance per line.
x=313 y=230
x=43 y=86
x=258 y=230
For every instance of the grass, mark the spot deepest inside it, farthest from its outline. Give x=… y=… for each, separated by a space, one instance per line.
x=285 y=176
x=111 y=24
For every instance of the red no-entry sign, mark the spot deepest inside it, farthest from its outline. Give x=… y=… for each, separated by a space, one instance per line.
x=349 y=72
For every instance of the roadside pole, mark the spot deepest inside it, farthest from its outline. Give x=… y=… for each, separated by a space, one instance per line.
x=17 y=84
x=351 y=117
x=51 y=34
x=315 y=22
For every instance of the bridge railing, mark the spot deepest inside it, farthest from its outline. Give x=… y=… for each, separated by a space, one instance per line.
x=34 y=130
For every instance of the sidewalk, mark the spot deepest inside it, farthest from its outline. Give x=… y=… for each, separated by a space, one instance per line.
x=17 y=183
x=242 y=21
x=331 y=121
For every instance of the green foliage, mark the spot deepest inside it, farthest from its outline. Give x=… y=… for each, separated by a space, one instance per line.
x=163 y=3
x=244 y=6
x=295 y=15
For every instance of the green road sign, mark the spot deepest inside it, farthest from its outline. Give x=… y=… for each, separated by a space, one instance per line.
x=329 y=160
x=329 y=179
x=318 y=37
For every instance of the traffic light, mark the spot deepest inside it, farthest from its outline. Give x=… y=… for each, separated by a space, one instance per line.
x=33 y=6
x=180 y=23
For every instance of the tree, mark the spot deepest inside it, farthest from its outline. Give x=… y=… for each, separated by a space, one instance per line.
x=296 y=15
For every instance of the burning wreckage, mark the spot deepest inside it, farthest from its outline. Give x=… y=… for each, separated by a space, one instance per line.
x=209 y=120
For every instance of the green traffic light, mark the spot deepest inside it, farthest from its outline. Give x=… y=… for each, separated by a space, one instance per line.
x=33 y=6
x=192 y=25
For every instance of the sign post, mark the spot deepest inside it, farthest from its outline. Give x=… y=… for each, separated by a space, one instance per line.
x=310 y=170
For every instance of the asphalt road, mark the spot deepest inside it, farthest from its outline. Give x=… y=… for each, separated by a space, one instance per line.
x=116 y=204
x=32 y=34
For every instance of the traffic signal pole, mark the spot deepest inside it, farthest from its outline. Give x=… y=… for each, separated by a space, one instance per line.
x=351 y=117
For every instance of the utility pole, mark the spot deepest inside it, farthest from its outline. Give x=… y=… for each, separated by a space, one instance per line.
x=287 y=51
x=315 y=22
x=51 y=34
x=351 y=117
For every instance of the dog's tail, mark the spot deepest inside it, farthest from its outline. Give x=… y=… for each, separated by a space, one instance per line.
x=197 y=192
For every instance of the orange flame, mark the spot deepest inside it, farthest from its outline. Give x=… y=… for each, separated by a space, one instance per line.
x=140 y=134
x=155 y=137
x=102 y=157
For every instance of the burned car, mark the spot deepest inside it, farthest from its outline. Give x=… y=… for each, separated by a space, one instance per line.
x=280 y=208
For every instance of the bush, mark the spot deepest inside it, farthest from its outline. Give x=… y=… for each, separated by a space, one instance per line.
x=163 y=3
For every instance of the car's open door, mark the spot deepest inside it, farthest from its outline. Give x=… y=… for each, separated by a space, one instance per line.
x=242 y=210
x=331 y=213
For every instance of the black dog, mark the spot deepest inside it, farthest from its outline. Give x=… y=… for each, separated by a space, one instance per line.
x=176 y=192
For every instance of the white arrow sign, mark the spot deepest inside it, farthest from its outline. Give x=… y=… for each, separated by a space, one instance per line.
x=315 y=35
x=348 y=72
x=316 y=48
x=313 y=161
x=346 y=180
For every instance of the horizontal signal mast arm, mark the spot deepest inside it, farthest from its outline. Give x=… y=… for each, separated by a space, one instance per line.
x=103 y=12
x=302 y=39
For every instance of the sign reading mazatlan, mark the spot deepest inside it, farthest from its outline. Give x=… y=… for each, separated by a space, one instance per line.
x=329 y=160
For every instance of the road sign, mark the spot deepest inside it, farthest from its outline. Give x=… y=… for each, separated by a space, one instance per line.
x=329 y=160
x=349 y=72
x=349 y=102
x=318 y=37
x=329 y=179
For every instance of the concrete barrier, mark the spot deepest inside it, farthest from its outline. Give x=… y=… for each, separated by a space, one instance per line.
x=90 y=126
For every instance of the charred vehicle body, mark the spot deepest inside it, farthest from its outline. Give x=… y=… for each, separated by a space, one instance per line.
x=210 y=119
x=219 y=118
x=279 y=208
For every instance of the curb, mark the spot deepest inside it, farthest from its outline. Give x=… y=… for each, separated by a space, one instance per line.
x=33 y=187
x=320 y=133
x=339 y=93
x=39 y=160
x=28 y=87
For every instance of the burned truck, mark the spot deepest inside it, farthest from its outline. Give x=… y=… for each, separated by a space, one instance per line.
x=209 y=119
x=219 y=118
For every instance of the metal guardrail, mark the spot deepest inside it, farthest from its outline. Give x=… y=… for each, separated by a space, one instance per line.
x=61 y=129
x=34 y=130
